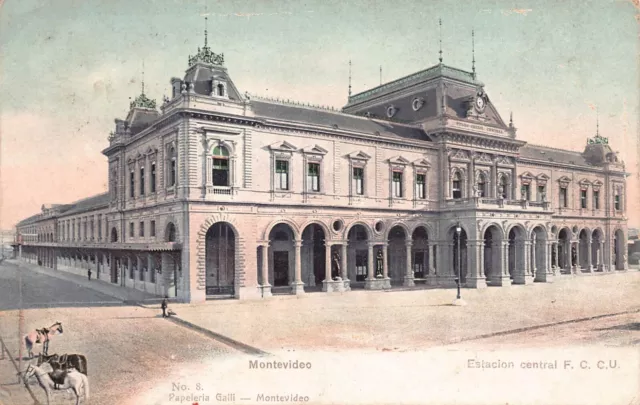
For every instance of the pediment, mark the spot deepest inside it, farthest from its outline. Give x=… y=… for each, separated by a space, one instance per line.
x=584 y=182
x=542 y=177
x=597 y=183
x=398 y=160
x=422 y=163
x=151 y=151
x=359 y=156
x=527 y=175
x=315 y=150
x=283 y=146
x=564 y=180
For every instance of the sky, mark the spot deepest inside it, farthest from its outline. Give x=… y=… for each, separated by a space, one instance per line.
x=68 y=68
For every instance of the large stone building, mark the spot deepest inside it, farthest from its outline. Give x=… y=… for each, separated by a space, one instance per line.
x=220 y=193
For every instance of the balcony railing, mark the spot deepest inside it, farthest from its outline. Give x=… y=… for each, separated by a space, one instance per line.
x=484 y=202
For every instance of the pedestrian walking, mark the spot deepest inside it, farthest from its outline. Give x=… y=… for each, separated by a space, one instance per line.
x=89 y=274
x=164 y=307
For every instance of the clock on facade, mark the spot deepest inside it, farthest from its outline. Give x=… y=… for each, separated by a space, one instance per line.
x=480 y=104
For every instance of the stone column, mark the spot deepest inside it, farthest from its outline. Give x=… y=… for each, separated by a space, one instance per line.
x=343 y=262
x=297 y=287
x=589 y=253
x=431 y=276
x=265 y=287
x=408 y=277
x=327 y=261
x=475 y=255
x=602 y=261
x=523 y=271
x=533 y=256
x=504 y=279
x=385 y=263
x=370 y=261
x=577 y=267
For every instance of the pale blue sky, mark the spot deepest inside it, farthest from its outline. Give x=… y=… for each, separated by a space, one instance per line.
x=69 y=68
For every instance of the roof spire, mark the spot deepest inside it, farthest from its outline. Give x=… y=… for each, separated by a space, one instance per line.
x=473 y=54
x=142 y=77
x=440 y=21
x=349 y=77
x=511 y=119
x=142 y=100
x=597 y=122
x=206 y=20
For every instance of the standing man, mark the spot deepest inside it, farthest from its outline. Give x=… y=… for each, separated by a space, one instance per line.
x=89 y=274
x=164 y=307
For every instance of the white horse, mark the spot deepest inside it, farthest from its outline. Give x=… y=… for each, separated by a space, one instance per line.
x=73 y=380
x=41 y=336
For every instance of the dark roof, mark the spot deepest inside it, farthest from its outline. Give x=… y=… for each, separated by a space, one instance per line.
x=544 y=153
x=334 y=119
x=86 y=204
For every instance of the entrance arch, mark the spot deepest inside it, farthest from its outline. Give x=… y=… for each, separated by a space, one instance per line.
x=516 y=262
x=357 y=253
x=492 y=266
x=583 y=251
x=281 y=255
x=313 y=253
x=220 y=249
x=421 y=255
x=597 y=249
x=397 y=254
x=564 y=251
x=619 y=250
x=539 y=254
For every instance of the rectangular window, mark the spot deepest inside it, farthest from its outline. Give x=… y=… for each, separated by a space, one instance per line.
x=282 y=175
x=397 y=184
x=132 y=184
x=455 y=189
x=84 y=229
x=420 y=186
x=152 y=186
x=583 y=199
x=100 y=227
x=313 y=177
x=541 y=193
x=358 y=181
x=142 y=181
x=152 y=229
x=596 y=200
x=221 y=172
x=617 y=202
x=92 y=229
x=131 y=230
x=141 y=230
x=525 y=192
x=564 y=199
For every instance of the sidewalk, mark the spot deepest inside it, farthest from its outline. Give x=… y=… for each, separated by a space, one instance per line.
x=410 y=320
x=121 y=293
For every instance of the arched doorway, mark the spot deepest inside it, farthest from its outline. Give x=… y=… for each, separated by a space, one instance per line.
x=397 y=254
x=459 y=253
x=357 y=254
x=583 y=251
x=282 y=255
x=313 y=252
x=619 y=250
x=420 y=254
x=564 y=251
x=220 y=248
x=517 y=258
x=597 y=249
x=539 y=254
x=492 y=255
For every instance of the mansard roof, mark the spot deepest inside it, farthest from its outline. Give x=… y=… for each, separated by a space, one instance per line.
x=553 y=155
x=86 y=204
x=334 y=120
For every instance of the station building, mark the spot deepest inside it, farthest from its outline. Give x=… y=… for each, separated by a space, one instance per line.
x=220 y=193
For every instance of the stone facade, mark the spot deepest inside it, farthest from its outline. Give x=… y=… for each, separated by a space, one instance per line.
x=417 y=181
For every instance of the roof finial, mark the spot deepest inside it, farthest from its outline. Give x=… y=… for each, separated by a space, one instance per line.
x=440 y=20
x=380 y=75
x=143 y=77
x=473 y=54
x=349 y=77
x=206 y=20
x=597 y=122
x=511 y=119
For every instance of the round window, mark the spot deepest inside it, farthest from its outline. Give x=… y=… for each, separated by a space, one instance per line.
x=575 y=229
x=391 y=111
x=337 y=225
x=417 y=103
x=379 y=226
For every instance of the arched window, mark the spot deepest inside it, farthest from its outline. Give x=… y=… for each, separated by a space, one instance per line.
x=171 y=160
x=220 y=166
x=171 y=232
x=482 y=185
x=114 y=235
x=221 y=90
x=456 y=185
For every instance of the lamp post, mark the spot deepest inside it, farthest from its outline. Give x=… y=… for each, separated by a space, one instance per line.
x=459 y=301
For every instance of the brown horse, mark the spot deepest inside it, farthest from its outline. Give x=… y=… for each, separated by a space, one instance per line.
x=41 y=336
x=65 y=362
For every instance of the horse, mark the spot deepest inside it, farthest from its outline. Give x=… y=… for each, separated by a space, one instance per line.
x=65 y=362
x=38 y=336
x=71 y=380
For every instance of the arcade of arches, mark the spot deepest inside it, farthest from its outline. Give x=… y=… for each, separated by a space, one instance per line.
x=293 y=261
